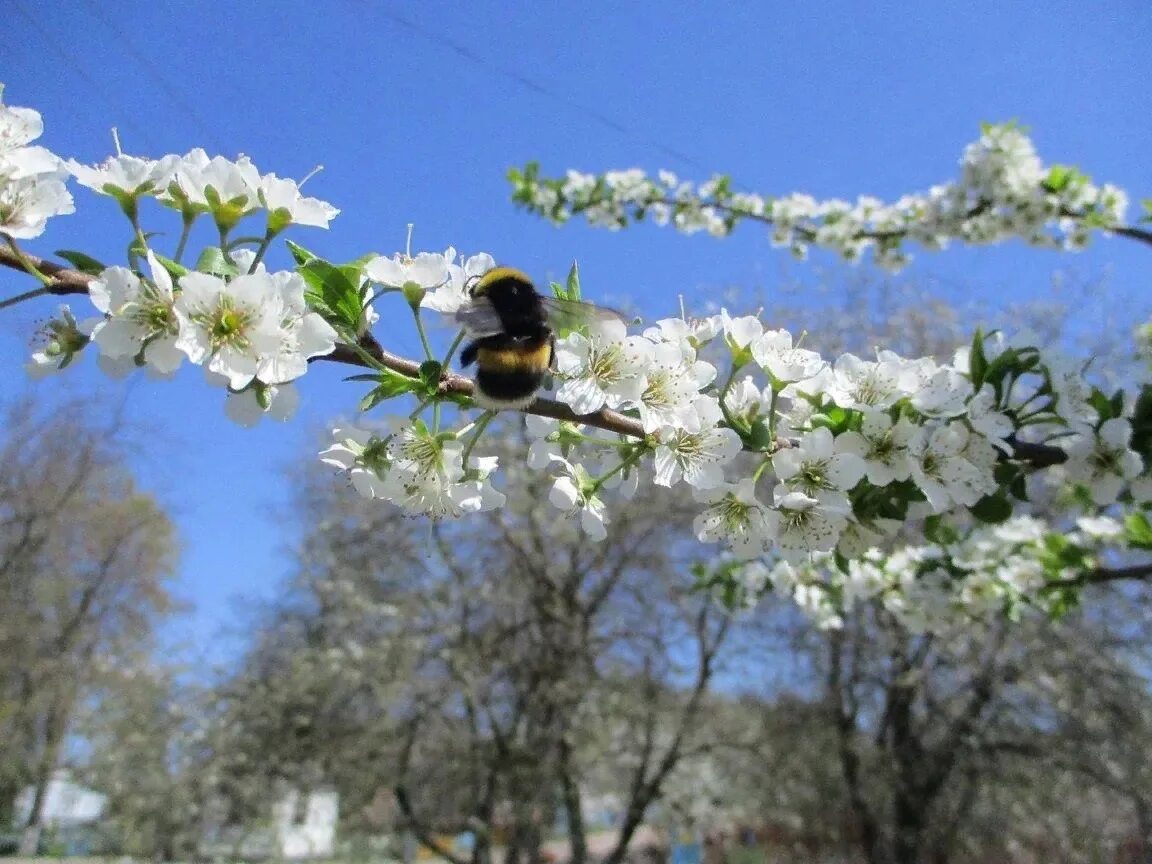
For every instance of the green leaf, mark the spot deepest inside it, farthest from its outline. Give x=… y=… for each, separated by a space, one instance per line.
x=977 y=361
x=759 y=437
x=174 y=270
x=1137 y=530
x=1142 y=424
x=573 y=284
x=1147 y=205
x=430 y=372
x=940 y=531
x=841 y=561
x=83 y=263
x=213 y=260
x=367 y=376
x=993 y=509
x=299 y=254
x=391 y=385
x=333 y=291
x=1018 y=488
x=1101 y=404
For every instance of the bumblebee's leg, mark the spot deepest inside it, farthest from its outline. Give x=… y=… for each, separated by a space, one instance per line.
x=468 y=355
x=552 y=352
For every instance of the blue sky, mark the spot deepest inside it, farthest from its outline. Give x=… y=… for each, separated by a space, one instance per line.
x=417 y=111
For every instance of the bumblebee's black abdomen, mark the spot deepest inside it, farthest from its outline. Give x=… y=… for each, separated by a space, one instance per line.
x=507 y=389
x=510 y=371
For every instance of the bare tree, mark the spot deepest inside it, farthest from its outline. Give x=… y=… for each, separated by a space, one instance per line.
x=83 y=558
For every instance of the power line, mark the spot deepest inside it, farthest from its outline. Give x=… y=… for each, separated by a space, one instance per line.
x=484 y=62
x=175 y=95
x=55 y=44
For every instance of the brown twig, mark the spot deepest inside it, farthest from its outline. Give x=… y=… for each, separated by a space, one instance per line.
x=69 y=281
x=65 y=280
x=1103 y=575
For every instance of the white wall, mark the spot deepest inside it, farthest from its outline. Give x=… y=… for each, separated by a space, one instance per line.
x=65 y=803
x=315 y=836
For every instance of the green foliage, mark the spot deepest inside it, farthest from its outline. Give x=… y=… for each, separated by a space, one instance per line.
x=215 y=261
x=1142 y=424
x=1137 y=530
x=334 y=291
x=389 y=385
x=82 y=262
x=992 y=509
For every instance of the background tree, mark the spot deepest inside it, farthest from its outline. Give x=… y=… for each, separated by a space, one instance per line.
x=84 y=555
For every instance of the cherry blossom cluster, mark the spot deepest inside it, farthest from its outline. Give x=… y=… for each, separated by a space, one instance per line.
x=1003 y=191
x=802 y=468
x=992 y=570
x=31 y=178
x=806 y=456
x=406 y=463
x=252 y=330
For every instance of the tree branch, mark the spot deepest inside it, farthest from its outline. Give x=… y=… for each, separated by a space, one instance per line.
x=1102 y=575
x=65 y=280
x=69 y=281
x=421 y=831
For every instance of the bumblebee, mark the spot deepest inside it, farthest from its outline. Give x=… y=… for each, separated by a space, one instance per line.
x=513 y=339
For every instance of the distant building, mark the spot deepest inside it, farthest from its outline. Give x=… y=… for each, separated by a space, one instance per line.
x=66 y=804
x=302 y=825
x=305 y=824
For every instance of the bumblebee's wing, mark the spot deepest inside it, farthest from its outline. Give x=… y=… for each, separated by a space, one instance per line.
x=479 y=318
x=567 y=315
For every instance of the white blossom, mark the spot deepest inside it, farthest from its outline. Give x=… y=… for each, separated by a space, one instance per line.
x=942 y=473
x=141 y=316
x=452 y=294
x=803 y=525
x=574 y=494
x=1103 y=461
x=786 y=364
x=281 y=197
x=734 y=516
x=817 y=467
x=257 y=401
x=603 y=369
x=230 y=326
x=672 y=384
x=428 y=270
x=696 y=457
x=127 y=175
x=883 y=445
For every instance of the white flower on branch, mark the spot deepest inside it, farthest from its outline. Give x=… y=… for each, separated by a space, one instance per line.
x=672 y=384
x=449 y=296
x=574 y=493
x=230 y=326
x=257 y=401
x=941 y=471
x=142 y=318
x=733 y=515
x=27 y=203
x=428 y=270
x=696 y=457
x=1103 y=461
x=606 y=368
x=802 y=525
x=820 y=468
x=126 y=175
x=883 y=445
x=775 y=354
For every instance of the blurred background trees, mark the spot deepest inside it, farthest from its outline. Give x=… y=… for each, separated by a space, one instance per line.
x=500 y=678
x=84 y=555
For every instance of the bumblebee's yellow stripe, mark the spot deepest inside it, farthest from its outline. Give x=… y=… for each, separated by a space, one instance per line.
x=528 y=359
x=498 y=273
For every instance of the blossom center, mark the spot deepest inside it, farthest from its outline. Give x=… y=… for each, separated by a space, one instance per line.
x=604 y=364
